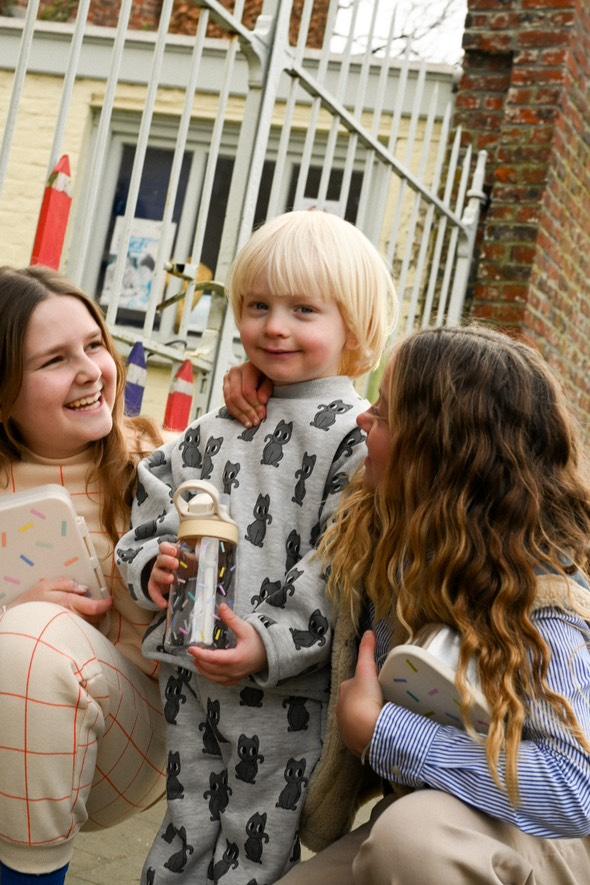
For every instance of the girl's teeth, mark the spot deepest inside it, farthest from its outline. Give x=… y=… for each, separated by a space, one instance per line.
x=85 y=401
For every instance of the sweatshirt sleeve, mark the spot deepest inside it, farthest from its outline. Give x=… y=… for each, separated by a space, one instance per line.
x=153 y=519
x=298 y=636
x=553 y=769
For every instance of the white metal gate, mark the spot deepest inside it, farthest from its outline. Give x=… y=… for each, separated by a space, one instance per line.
x=362 y=134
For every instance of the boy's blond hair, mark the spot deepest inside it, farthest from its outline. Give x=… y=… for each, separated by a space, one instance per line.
x=311 y=251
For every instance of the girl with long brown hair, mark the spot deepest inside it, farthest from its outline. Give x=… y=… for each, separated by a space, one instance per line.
x=82 y=732
x=472 y=511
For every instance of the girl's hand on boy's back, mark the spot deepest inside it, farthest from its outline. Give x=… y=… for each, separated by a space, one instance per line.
x=361 y=699
x=246 y=392
x=162 y=574
x=230 y=666
x=69 y=594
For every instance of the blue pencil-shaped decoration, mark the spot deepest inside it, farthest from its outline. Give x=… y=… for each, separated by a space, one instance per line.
x=136 y=375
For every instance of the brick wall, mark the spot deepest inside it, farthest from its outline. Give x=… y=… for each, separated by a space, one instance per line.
x=525 y=98
x=185 y=15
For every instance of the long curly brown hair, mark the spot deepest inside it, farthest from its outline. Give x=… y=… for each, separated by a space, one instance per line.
x=484 y=486
x=115 y=459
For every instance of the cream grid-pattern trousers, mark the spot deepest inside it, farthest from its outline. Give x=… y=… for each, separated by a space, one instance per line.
x=81 y=735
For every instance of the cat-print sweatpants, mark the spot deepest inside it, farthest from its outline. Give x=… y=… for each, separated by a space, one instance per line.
x=239 y=760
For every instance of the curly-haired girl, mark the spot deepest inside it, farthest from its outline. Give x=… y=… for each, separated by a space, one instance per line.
x=471 y=511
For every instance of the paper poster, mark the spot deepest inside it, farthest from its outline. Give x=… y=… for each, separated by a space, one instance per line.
x=140 y=268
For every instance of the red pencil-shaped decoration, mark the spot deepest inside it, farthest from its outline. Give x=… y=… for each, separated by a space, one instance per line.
x=180 y=399
x=54 y=216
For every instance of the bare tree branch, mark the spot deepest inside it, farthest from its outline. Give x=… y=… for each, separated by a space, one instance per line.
x=428 y=29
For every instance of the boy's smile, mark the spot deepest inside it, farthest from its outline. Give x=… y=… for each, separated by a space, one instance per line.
x=292 y=338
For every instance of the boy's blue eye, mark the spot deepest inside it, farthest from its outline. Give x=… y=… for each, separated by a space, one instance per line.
x=304 y=308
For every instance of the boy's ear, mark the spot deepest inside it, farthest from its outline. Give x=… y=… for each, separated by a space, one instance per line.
x=351 y=342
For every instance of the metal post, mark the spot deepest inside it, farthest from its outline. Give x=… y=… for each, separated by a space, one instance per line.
x=475 y=197
x=266 y=60
x=17 y=86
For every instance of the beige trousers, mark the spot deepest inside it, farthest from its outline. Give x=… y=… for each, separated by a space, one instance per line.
x=431 y=838
x=81 y=738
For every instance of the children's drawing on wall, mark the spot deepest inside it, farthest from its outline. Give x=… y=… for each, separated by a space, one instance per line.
x=140 y=268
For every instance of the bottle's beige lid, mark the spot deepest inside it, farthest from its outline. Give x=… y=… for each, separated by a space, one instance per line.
x=205 y=515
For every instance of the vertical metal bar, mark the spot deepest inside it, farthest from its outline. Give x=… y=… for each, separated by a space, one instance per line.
x=400 y=97
x=475 y=198
x=86 y=214
x=68 y=87
x=265 y=76
x=379 y=206
x=358 y=111
x=17 y=86
x=425 y=239
x=179 y=149
x=442 y=226
x=408 y=156
x=411 y=233
x=138 y=162
x=450 y=257
x=209 y=177
x=386 y=66
x=207 y=188
x=335 y=124
x=280 y=164
x=315 y=110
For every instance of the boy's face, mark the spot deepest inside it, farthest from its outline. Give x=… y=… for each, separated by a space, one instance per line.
x=292 y=338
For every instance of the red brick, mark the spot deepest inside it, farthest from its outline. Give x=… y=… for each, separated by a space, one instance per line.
x=523 y=254
x=530 y=76
x=547 y=4
x=488 y=42
x=511 y=314
x=468 y=102
x=542 y=38
x=530 y=116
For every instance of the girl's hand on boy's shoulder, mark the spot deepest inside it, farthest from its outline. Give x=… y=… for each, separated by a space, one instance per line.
x=360 y=700
x=230 y=666
x=69 y=594
x=162 y=574
x=246 y=392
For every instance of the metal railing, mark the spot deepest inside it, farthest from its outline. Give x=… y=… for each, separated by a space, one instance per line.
x=366 y=135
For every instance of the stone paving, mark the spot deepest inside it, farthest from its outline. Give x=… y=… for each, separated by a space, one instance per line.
x=115 y=856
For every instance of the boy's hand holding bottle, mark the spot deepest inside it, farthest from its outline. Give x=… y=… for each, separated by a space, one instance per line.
x=224 y=666
x=230 y=666
x=162 y=575
x=194 y=580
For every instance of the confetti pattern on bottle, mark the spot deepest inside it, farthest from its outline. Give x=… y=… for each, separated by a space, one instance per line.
x=208 y=578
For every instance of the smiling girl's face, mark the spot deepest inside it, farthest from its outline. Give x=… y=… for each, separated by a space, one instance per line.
x=69 y=380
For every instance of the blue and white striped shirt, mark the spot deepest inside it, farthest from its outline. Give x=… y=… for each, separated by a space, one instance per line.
x=553 y=770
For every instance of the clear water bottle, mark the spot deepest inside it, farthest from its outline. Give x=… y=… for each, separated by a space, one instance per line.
x=207 y=543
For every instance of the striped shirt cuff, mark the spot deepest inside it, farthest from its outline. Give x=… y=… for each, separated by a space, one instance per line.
x=400 y=745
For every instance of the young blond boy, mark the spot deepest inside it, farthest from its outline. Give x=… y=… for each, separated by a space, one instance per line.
x=314 y=303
